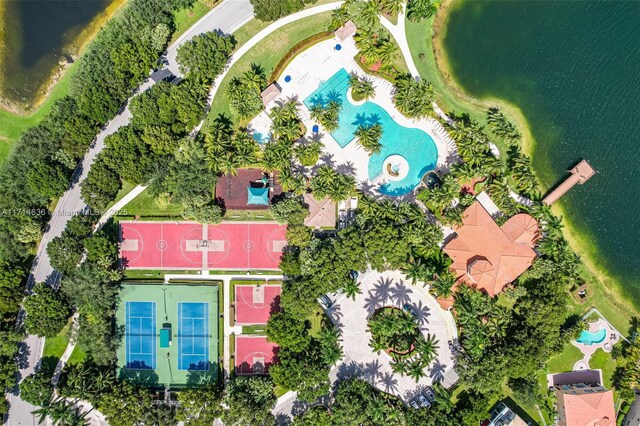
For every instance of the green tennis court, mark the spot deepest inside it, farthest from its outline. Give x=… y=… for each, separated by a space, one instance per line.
x=171 y=334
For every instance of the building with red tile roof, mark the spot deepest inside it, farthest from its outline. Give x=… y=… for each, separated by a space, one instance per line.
x=488 y=256
x=584 y=405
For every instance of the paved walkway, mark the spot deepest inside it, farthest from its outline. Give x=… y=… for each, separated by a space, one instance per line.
x=68 y=350
x=119 y=206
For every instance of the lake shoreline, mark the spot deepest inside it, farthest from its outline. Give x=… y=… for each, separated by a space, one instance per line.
x=578 y=240
x=72 y=50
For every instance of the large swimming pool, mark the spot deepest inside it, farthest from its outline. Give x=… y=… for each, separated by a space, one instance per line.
x=416 y=146
x=592 y=338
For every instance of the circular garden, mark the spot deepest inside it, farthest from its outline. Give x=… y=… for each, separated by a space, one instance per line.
x=397 y=332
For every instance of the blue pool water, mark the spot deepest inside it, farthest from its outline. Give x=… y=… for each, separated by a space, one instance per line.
x=590 y=338
x=414 y=145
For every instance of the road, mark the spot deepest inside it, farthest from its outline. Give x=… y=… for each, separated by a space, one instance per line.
x=227 y=17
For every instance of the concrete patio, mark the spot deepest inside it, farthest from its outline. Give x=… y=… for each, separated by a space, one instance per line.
x=390 y=288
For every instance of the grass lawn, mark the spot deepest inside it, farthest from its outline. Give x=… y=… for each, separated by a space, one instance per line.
x=77 y=356
x=267 y=53
x=248 y=215
x=55 y=346
x=605 y=362
x=144 y=205
x=138 y=274
x=565 y=360
x=316 y=318
x=185 y=18
x=13 y=125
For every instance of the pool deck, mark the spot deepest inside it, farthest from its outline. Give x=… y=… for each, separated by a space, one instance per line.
x=612 y=337
x=316 y=65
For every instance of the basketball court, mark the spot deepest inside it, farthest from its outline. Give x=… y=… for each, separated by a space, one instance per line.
x=191 y=245
x=255 y=303
x=254 y=354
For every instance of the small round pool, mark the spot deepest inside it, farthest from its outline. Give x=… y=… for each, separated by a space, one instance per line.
x=338 y=47
x=287 y=78
x=591 y=338
x=315 y=128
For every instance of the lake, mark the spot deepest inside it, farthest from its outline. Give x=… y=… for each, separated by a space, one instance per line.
x=573 y=68
x=37 y=34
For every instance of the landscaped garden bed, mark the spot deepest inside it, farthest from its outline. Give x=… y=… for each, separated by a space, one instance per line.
x=397 y=332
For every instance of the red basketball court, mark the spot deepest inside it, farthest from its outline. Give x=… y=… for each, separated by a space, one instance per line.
x=254 y=355
x=255 y=303
x=191 y=245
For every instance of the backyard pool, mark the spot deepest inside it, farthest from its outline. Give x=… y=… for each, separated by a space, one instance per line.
x=414 y=145
x=592 y=338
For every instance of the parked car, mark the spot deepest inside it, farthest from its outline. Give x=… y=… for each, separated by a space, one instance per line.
x=325 y=301
x=431 y=396
x=408 y=308
x=414 y=404
x=424 y=402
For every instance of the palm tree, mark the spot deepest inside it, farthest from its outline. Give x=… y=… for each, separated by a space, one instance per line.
x=339 y=17
x=493 y=166
x=427 y=348
x=378 y=345
x=443 y=284
x=369 y=137
x=416 y=271
x=254 y=78
x=288 y=181
x=497 y=322
x=452 y=216
x=227 y=165
x=369 y=15
x=475 y=343
x=377 y=411
x=332 y=115
x=417 y=10
x=443 y=398
x=386 y=51
x=399 y=366
x=58 y=409
x=342 y=188
x=385 y=209
x=392 y=7
x=351 y=289
x=416 y=369
x=309 y=153
x=361 y=88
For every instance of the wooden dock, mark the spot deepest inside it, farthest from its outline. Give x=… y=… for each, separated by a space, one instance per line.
x=579 y=175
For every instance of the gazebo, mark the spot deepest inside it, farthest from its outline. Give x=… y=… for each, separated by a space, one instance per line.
x=322 y=213
x=270 y=93
x=257 y=196
x=347 y=30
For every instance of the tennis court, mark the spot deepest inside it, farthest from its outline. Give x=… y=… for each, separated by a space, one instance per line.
x=193 y=336
x=255 y=303
x=171 y=334
x=254 y=354
x=140 y=335
x=190 y=245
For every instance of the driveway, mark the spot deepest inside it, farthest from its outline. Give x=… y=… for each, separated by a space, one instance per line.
x=390 y=288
